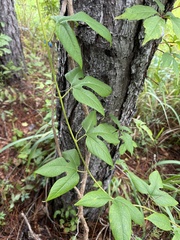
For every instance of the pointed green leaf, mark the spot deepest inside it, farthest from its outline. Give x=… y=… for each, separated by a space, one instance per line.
x=67 y=37
x=176 y=25
x=122 y=149
x=160 y=5
x=96 y=146
x=75 y=78
x=90 y=121
x=74 y=74
x=138 y=12
x=107 y=132
x=142 y=127
x=115 y=120
x=98 y=86
x=52 y=168
x=176 y=55
x=120 y=221
x=163 y=199
x=88 y=98
x=63 y=185
x=140 y=185
x=176 y=234
x=96 y=26
x=83 y=17
x=99 y=149
x=176 y=68
x=59 y=166
x=154 y=28
x=128 y=142
x=156 y=182
x=136 y=215
x=94 y=199
x=160 y=220
x=166 y=59
x=73 y=157
x=160 y=198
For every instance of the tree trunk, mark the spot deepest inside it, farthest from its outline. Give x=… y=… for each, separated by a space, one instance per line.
x=8 y=17
x=122 y=66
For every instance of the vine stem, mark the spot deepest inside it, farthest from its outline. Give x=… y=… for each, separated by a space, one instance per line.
x=140 y=206
x=55 y=80
x=167 y=210
x=61 y=99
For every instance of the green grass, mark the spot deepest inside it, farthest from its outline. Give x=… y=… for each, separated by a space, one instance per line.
x=158 y=104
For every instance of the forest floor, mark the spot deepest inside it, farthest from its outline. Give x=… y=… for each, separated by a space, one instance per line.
x=25 y=212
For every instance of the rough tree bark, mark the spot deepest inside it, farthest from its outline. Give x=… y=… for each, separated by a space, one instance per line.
x=8 y=17
x=123 y=66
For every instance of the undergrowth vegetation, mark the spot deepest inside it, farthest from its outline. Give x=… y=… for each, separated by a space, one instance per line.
x=156 y=126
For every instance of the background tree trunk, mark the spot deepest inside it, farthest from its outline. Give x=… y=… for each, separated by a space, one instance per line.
x=122 y=66
x=8 y=17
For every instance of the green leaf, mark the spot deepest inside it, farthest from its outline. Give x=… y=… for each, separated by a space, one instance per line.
x=90 y=121
x=86 y=97
x=142 y=127
x=52 y=168
x=160 y=220
x=94 y=199
x=176 y=55
x=140 y=185
x=96 y=146
x=176 y=24
x=156 y=182
x=160 y=198
x=63 y=185
x=154 y=28
x=176 y=68
x=166 y=59
x=83 y=17
x=59 y=166
x=138 y=12
x=122 y=149
x=107 y=132
x=96 y=26
x=74 y=74
x=6 y=50
x=99 y=149
x=67 y=37
x=115 y=120
x=120 y=220
x=160 y=5
x=176 y=234
x=99 y=87
x=77 y=81
x=136 y=215
x=128 y=142
x=163 y=199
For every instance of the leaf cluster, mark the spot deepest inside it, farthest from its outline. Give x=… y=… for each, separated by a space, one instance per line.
x=68 y=38
x=154 y=22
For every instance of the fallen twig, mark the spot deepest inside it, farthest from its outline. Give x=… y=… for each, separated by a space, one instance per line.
x=33 y=235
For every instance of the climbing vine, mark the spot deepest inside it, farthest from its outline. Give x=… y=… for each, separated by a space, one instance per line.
x=98 y=135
